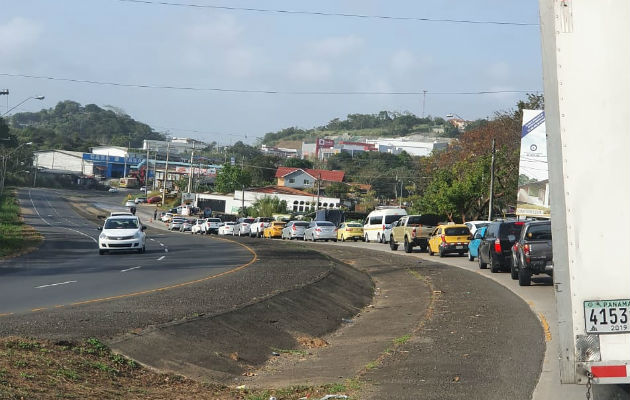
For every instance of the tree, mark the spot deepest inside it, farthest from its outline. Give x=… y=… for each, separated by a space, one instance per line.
x=298 y=163
x=267 y=206
x=336 y=189
x=230 y=178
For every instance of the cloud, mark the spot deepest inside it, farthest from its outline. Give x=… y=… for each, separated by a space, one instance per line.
x=221 y=31
x=308 y=70
x=405 y=61
x=336 y=46
x=499 y=71
x=18 y=37
x=240 y=62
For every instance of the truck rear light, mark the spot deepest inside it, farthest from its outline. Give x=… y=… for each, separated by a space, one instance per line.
x=609 y=371
x=413 y=232
x=497 y=246
x=519 y=223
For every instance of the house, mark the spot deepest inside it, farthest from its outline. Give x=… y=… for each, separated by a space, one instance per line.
x=297 y=200
x=300 y=178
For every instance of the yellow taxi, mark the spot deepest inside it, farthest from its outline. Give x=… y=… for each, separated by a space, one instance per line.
x=274 y=230
x=350 y=231
x=447 y=239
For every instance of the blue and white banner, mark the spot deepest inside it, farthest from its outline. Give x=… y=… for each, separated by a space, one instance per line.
x=533 y=177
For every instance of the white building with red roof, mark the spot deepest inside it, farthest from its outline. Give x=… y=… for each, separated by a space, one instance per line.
x=300 y=178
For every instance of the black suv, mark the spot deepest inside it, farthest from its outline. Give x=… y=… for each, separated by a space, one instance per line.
x=532 y=253
x=496 y=245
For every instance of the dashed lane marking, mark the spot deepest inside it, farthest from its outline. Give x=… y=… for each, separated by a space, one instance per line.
x=54 y=284
x=130 y=269
x=161 y=258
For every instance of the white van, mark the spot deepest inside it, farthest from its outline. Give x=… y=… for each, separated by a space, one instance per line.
x=379 y=220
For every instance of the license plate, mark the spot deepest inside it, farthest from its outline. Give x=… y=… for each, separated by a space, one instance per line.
x=459 y=247
x=607 y=316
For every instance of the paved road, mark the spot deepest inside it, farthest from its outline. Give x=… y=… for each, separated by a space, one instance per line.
x=68 y=270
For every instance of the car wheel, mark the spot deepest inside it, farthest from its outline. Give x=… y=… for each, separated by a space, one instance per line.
x=334 y=240
x=365 y=239
x=514 y=271
x=392 y=245
x=470 y=257
x=482 y=265
x=408 y=247
x=423 y=248
x=343 y=238
x=101 y=252
x=524 y=277
x=494 y=266
x=379 y=239
x=441 y=252
x=431 y=253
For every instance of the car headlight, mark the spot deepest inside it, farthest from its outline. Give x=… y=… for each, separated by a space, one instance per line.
x=137 y=235
x=102 y=236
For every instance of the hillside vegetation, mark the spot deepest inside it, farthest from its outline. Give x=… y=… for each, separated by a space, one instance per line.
x=383 y=124
x=70 y=126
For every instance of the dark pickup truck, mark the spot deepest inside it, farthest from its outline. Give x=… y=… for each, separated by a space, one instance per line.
x=532 y=253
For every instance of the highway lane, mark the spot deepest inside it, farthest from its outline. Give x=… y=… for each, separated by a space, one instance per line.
x=67 y=269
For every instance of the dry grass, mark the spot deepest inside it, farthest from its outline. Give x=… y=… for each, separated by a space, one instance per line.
x=31 y=369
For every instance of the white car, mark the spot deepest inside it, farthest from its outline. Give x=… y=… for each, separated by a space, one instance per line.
x=198 y=226
x=242 y=227
x=258 y=226
x=321 y=230
x=227 y=228
x=130 y=203
x=120 y=213
x=113 y=190
x=122 y=233
x=167 y=217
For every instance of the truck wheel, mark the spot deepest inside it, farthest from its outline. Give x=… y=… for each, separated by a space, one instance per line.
x=424 y=248
x=513 y=272
x=482 y=265
x=494 y=268
x=393 y=245
x=524 y=277
x=408 y=247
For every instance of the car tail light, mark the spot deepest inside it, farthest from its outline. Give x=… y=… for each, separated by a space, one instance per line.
x=318 y=229
x=519 y=223
x=526 y=251
x=497 y=246
x=383 y=227
x=413 y=232
x=294 y=228
x=443 y=238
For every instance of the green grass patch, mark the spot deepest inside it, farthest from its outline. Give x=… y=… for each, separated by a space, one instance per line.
x=290 y=351
x=402 y=340
x=15 y=237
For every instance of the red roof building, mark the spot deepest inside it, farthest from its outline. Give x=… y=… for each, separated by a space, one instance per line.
x=300 y=178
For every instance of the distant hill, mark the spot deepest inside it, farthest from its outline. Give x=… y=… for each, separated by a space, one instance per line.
x=70 y=126
x=383 y=124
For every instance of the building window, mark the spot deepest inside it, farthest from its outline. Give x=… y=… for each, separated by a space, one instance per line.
x=307 y=182
x=291 y=180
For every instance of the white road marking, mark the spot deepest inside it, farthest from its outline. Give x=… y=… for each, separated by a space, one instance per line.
x=162 y=244
x=161 y=258
x=55 y=284
x=129 y=269
x=151 y=239
x=166 y=250
x=36 y=210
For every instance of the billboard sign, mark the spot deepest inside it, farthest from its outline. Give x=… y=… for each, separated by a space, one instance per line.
x=533 y=177
x=322 y=143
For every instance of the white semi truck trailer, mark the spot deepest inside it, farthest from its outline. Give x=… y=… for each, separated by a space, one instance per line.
x=586 y=69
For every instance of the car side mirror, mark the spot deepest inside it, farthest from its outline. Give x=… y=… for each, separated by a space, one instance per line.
x=143 y=228
x=100 y=228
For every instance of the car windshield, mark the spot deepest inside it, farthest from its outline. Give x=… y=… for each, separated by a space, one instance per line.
x=229 y=223
x=300 y=224
x=325 y=223
x=214 y=220
x=279 y=224
x=391 y=218
x=458 y=231
x=539 y=232
x=423 y=220
x=354 y=225
x=120 y=223
x=510 y=229
x=265 y=219
x=248 y=220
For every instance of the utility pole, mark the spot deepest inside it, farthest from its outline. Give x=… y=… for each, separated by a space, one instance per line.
x=192 y=169
x=36 y=167
x=146 y=173
x=243 y=200
x=491 y=202
x=168 y=150
x=401 y=193
x=319 y=180
x=424 y=99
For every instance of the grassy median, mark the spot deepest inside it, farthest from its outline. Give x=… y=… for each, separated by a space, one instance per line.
x=15 y=237
x=39 y=369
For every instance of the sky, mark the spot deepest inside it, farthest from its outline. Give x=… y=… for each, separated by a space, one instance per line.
x=201 y=48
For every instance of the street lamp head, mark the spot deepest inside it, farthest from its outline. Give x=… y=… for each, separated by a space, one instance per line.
x=39 y=97
x=28 y=143
x=449 y=115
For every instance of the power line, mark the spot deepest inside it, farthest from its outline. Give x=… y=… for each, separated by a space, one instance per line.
x=331 y=14
x=259 y=91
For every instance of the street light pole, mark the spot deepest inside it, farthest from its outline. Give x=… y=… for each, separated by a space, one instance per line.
x=168 y=150
x=491 y=202
x=22 y=102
